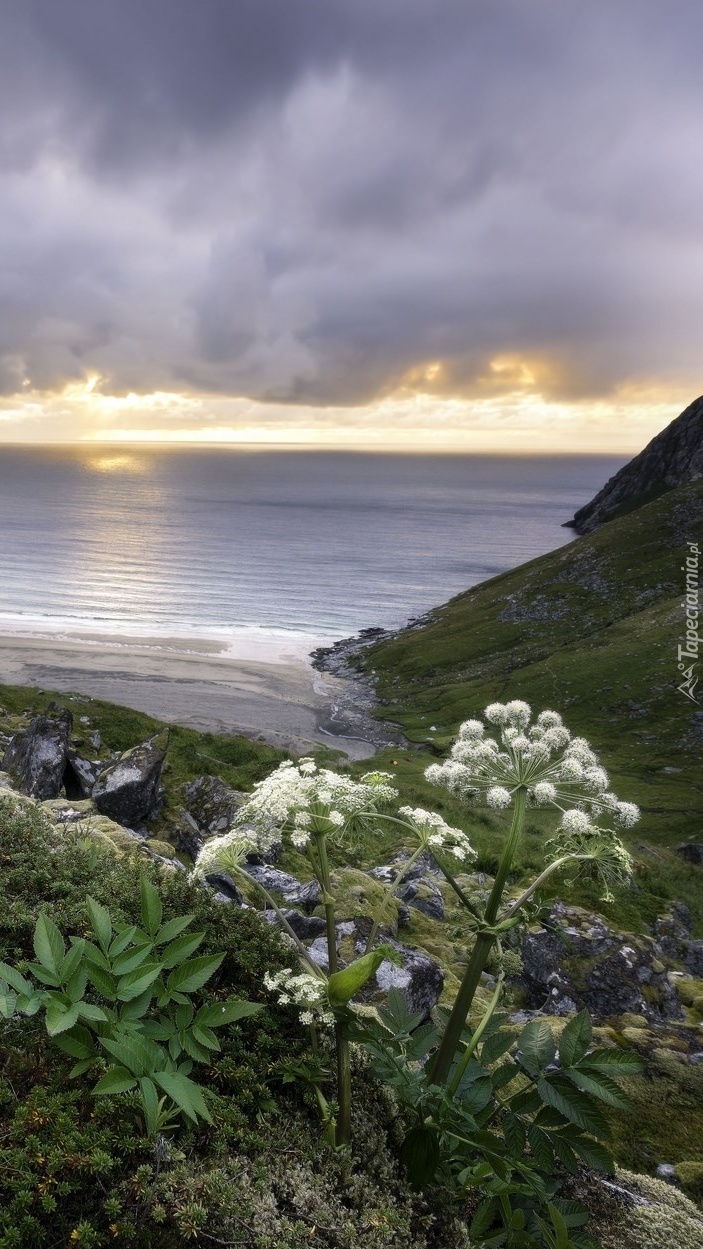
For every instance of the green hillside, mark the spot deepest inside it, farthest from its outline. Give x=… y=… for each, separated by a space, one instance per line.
x=592 y=630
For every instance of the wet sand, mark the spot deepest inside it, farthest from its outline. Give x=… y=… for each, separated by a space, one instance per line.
x=281 y=699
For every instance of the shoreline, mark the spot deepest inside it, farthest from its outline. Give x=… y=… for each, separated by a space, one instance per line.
x=264 y=688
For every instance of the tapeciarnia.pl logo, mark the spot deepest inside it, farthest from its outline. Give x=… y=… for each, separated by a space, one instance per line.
x=691 y=606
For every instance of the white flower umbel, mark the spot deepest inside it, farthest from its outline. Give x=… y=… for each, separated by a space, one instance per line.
x=222 y=854
x=309 y=801
x=541 y=759
x=303 y=990
x=435 y=834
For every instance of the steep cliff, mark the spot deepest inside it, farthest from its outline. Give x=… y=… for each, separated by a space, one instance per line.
x=671 y=459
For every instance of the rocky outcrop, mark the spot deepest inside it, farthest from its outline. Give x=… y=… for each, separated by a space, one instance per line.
x=671 y=459
x=577 y=961
x=212 y=804
x=417 y=975
x=37 y=757
x=128 y=791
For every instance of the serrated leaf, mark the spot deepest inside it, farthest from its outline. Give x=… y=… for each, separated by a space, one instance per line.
x=180 y=949
x=122 y=940
x=150 y=1102
x=49 y=945
x=136 y=982
x=15 y=980
x=136 y=1053
x=193 y=974
x=615 y=1061
x=172 y=928
x=87 y=1010
x=29 y=1004
x=71 y=961
x=151 y=908
x=80 y=1068
x=77 y=984
x=504 y=1074
x=95 y=957
x=100 y=922
x=575 y=1039
x=496 y=1045
x=483 y=1219
x=515 y=1134
x=191 y=1046
x=8 y=1002
x=420 y=1155
x=593 y=1154
x=564 y=1153
x=536 y=1045
x=206 y=1037
x=116 y=1080
x=59 y=1020
x=599 y=1085
x=218 y=1014
x=396 y=1016
x=540 y=1145
x=574 y=1105
x=44 y=975
x=78 y=1043
x=526 y=1102
x=185 y=1093
x=103 y=981
x=184 y=1016
x=130 y=959
x=137 y=1007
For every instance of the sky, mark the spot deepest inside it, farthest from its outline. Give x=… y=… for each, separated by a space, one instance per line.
x=471 y=225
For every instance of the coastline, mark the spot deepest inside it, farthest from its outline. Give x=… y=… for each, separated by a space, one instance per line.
x=260 y=686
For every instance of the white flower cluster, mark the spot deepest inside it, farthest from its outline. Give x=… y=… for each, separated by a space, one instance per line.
x=304 y=990
x=312 y=801
x=555 y=768
x=436 y=834
x=222 y=854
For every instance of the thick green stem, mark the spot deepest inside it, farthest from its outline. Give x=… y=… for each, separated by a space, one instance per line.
x=343 y=1133
x=441 y=1063
x=327 y=901
x=471 y=1047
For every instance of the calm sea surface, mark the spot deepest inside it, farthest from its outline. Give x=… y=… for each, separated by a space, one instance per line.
x=219 y=542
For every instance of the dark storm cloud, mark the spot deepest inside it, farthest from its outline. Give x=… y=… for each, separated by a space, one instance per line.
x=314 y=200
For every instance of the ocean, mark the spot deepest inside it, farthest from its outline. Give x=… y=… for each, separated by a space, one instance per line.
x=253 y=545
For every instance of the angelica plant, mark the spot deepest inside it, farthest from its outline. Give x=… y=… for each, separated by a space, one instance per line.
x=530 y=764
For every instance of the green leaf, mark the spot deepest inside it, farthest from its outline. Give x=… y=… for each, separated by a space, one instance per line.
x=614 y=1061
x=49 y=945
x=59 y=1019
x=575 y=1039
x=185 y=1093
x=79 y=1069
x=116 y=1080
x=540 y=1145
x=135 y=982
x=342 y=985
x=86 y=1010
x=76 y=985
x=131 y=958
x=574 y=1105
x=71 y=961
x=483 y=1219
x=193 y=974
x=8 y=1001
x=600 y=1086
x=95 y=957
x=218 y=1014
x=78 y=1043
x=150 y=1102
x=515 y=1134
x=420 y=1155
x=100 y=922
x=206 y=1037
x=103 y=981
x=536 y=1045
x=136 y=1053
x=496 y=1045
x=137 y=1007
x=29 y=1004
x=152 y=909
x=593 y=1154
x=181 y=949
x=15 y=980
x=564 y=1152
x=191 y=1046
x=172 y=928
x=44 y=975
x=124 y=936
x=396 y=1017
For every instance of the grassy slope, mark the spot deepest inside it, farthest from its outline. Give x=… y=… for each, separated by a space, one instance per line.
x=591 y=630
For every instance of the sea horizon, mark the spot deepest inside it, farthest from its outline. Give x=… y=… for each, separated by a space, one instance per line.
x=262 y=550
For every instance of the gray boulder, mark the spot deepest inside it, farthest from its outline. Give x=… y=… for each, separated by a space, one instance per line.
x=419 y=978
x=36 y=758
x=691 y=852
x=212 y=804
x=128 y=791
x=578 y=961
x=294 y=892
x=81 y=774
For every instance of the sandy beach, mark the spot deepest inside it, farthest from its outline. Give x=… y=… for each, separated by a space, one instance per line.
x=275 y=695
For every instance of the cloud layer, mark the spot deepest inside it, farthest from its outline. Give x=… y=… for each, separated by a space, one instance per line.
x=334 y=202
